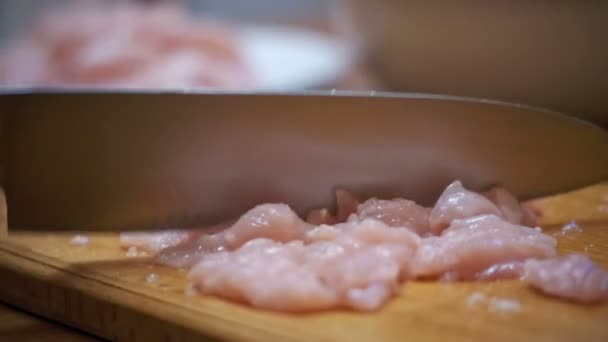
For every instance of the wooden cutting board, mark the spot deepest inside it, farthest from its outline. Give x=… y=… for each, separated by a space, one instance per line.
x=99 y=289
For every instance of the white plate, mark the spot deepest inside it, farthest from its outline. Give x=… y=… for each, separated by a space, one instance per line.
x=283 y=58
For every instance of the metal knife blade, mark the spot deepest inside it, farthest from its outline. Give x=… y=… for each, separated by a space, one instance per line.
x=103 y=160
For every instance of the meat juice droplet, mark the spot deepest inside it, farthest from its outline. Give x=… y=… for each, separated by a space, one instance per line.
x=132 y=252
x=475 y=299
x=152 y=278
x=504 y=305
x=190 y=290
x=571 y=227
x=80 y=240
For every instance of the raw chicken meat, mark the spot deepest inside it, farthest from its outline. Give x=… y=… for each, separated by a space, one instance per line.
x=125 y=45
x=474 y=244
x=272 y=221
x=398 y=212
x=507 y=270
x=574 y=277
x=510 y=207
x=360 y=256
x=155 y=241
x=266 y=274
x=360 y=266
x=456 y=202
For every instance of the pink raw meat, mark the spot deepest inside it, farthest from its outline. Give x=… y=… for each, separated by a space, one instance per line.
x=272 y=221
x=507 y=270
x=456 y=202
x=156 y=241
x=357 y=265
x=510 y=207
x=272 y=259
x=574 y=277
x=124 y=45
x=474 y=244
x=397 y=212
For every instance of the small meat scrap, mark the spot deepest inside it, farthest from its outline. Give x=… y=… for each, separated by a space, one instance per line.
x=456 y=202
x=474 y=244
x=510 y=208
x=346 y=203
x=397 y=212
x=154 y=242
x=574 y=277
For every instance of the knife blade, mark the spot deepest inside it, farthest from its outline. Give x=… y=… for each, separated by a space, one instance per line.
x=121 y=160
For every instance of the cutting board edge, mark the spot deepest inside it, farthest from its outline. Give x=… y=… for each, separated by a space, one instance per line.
x=67 y=296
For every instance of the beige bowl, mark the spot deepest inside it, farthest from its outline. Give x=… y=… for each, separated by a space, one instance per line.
x=552 y=54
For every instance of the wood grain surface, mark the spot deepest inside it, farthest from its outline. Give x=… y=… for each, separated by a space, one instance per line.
x=99 y=289
x=18 y=326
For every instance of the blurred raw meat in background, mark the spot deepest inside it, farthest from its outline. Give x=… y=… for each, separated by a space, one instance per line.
x=126 y=46
x=171 y=44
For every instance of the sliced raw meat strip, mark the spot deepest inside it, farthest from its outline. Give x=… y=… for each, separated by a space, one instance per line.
x=510 y=208
x=474 y=244
x=456 y=202
x=507 y=270
x=397 y=212
x=272 y=221
x=574 y=277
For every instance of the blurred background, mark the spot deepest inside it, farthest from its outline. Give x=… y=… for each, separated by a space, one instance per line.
x=545 y=53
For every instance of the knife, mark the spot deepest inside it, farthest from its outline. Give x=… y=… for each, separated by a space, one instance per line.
x=125 y=160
